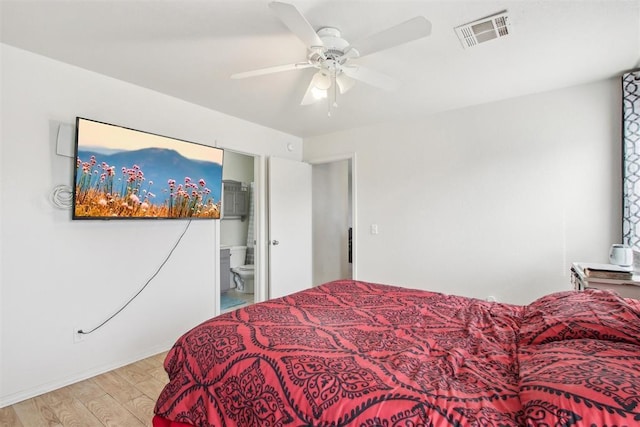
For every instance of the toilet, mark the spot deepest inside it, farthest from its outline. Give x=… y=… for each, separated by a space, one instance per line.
x=241 y=275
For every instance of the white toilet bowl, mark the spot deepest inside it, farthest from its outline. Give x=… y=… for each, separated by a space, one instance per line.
x=243 y=278
x=237 y=258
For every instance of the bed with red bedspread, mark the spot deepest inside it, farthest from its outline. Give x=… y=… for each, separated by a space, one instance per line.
x=351 y=353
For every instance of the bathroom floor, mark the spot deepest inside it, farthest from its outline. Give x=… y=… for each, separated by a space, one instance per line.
x=247 y=298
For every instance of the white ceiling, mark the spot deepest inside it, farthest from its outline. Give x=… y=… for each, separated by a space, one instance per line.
x=188 y=49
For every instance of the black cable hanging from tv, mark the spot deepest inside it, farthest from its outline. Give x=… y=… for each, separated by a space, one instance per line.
x=82 y=332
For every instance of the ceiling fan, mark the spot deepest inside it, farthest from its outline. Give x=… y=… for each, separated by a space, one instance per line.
x=330 y=54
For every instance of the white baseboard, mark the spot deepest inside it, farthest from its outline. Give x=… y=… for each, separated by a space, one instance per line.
x=55 y=385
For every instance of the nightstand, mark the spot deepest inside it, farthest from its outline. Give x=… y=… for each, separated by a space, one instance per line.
x=626 y=288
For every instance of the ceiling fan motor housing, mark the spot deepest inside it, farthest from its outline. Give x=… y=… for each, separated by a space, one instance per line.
x=334 y=44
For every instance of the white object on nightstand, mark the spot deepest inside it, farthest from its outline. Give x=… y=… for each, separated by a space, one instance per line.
x=621 y=255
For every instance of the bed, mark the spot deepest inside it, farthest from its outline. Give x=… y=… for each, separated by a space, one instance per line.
x=351 y=353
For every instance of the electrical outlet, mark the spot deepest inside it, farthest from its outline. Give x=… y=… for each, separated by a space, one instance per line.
x=78 y=337
x=491 y=298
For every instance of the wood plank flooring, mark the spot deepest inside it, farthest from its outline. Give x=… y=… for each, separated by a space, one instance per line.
x=124 y=397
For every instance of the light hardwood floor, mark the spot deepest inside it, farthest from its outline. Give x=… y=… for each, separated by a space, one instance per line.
x=124 y=397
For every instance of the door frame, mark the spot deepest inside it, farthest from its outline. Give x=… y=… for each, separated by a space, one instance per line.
x=259 y=192
x=260 y=207
x=351 y=157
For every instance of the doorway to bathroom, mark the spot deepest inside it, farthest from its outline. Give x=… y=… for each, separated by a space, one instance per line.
x=237 y=232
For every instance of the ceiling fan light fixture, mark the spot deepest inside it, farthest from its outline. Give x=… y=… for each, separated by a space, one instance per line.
x=317 y=89
x=321 y=81
x=320 y=84
x=318 y=94
x=344 y=82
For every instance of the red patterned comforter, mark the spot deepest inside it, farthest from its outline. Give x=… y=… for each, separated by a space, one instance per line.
x=351 y=353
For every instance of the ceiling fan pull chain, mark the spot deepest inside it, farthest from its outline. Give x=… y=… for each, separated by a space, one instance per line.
x=335 y=89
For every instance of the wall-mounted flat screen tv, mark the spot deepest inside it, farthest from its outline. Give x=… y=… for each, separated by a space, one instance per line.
x=123 y=173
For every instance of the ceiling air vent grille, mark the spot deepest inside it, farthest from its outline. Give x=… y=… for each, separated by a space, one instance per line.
x=483 y=30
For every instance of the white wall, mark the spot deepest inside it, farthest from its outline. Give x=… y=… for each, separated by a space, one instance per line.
x=496 y=200
x=58 y=275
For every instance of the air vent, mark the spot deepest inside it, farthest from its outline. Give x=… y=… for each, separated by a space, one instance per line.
x=483 y=30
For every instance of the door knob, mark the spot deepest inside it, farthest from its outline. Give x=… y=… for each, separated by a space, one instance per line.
x=275 y=242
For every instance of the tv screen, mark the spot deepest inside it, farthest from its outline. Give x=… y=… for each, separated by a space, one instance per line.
x=123 y=173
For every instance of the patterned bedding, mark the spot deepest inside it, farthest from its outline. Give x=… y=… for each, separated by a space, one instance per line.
x=351 y=353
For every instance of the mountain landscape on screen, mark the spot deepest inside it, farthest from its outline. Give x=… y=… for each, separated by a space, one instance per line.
x=158 y=177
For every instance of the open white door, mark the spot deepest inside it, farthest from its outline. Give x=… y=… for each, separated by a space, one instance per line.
x=290 y=234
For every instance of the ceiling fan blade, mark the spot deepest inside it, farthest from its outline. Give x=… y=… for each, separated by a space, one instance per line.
x=296 y=22
x=410 y=30
x=270 y=70
x=370 y=77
